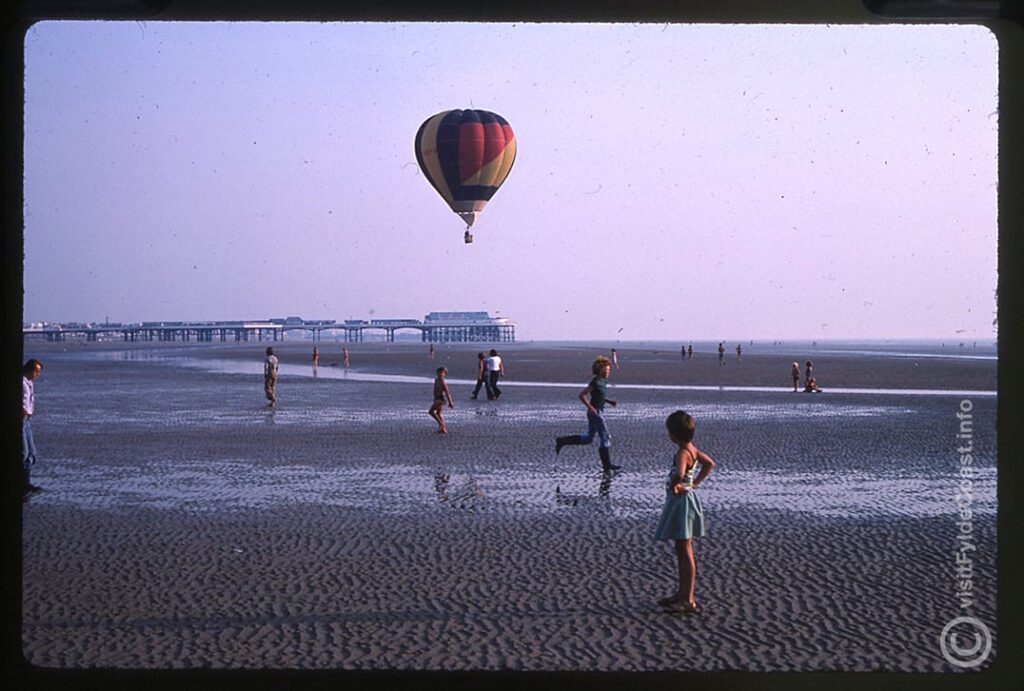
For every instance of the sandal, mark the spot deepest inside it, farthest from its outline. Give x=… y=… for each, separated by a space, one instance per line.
x=670 y=600
x=683 y=608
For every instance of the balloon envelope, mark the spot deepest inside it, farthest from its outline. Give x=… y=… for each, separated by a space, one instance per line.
x=466 y=155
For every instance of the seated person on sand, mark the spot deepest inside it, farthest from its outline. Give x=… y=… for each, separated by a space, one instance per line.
x=812 y=386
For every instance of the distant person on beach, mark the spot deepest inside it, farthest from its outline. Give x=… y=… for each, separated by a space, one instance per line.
x=495 y=368
x=739 y=351
x=689 y=352
x=795 y=372
x=615 y=359
x=481 y=374
x=442 y=394
x=316 y=357
x=721 y=354
x=682 y=515
x=808 y=371
x=811 y=386
x=270 y=377
x=29 y=374
x=594 y=398
x=431 y=351
x=344 y=357
x=682 y=352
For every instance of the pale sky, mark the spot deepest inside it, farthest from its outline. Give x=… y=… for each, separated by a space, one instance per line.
x=671 y=181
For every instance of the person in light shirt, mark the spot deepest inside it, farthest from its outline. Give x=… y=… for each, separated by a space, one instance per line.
x=495 y=368
x=30 y=372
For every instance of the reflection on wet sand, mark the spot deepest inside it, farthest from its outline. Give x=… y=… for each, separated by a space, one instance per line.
x=604 y=489
x=468 y=497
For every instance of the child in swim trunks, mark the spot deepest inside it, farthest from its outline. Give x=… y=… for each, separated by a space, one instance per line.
x=441 y=394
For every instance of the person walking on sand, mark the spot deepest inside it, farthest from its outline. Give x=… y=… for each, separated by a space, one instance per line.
x=441 y=394
x=689 y=352
x=795 y=372
x=431 y=353
x=316 y=357
x=270 y=377
x=721 y=354
x=494 y=368
x=615 y=359
x=594 y=398
x=682 y=352
x=481 y=374
x=344 y=356
x=808 y=371
x=29 y=373
x=682 y=515
x=739 y=351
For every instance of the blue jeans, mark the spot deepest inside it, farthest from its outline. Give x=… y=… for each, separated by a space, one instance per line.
x=28 y=444
x=597 y=426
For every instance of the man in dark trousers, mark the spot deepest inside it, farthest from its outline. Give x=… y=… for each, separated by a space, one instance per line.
x=481 y=374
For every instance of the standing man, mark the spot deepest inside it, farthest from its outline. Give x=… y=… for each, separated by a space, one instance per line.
x=615 y=358
x=270 y=377
x=495 y=368
x=29 y=374
x=481 y=374
x=721 y=354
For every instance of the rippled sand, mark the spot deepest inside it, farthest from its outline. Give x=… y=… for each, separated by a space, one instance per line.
x=183 y=524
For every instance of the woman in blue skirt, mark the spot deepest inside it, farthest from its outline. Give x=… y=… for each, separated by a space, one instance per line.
x=682 y=517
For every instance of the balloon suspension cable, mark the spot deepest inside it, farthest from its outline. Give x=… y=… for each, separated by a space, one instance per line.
x=468 y=237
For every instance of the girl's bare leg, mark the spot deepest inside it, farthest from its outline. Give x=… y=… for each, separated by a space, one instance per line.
x=687 y=571
x=435 y=412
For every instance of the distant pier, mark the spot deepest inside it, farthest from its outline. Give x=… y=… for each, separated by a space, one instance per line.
x=436 y=327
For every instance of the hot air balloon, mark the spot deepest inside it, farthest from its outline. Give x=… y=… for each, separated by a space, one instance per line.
x=466 y=155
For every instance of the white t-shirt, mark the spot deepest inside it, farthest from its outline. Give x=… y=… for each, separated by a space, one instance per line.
x=270 y=366
x=493 y=363
x=28 y=395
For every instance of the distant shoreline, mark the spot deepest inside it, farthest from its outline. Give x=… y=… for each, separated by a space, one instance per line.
x=643 y=364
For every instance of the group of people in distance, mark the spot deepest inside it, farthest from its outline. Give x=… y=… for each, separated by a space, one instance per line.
x=810 y=383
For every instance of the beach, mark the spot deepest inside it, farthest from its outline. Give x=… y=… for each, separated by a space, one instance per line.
x=183 y=524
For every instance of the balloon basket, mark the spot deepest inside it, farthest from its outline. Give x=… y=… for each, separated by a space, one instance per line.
x=468 y=237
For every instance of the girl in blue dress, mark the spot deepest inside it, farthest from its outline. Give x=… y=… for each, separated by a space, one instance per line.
x=682 y=516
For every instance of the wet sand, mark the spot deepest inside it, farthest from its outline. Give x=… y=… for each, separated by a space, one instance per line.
x=764 y=367
x=185 y=525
